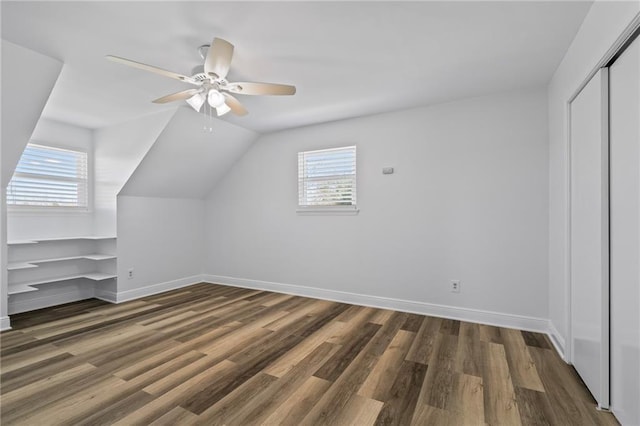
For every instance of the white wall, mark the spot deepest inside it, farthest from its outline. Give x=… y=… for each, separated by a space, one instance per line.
x=186 y=161
x=27 y=80
x=162 y=240
x=468 y=201
x=48 y=224
x=118 y=150
x=603 y=24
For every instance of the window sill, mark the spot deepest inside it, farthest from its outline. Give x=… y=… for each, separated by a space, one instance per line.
x=48 y=211
x=332 y=211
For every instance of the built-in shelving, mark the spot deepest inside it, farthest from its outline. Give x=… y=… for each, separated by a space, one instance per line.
x=34 y=263
x=44 y=240
x=38 y=262
x=27 y=286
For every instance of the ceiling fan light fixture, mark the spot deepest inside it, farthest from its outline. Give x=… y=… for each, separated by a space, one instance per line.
x=222 y=109
x=196 y=101
x=215 y=98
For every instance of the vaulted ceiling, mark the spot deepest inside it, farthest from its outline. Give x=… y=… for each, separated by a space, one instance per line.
x=346 y=59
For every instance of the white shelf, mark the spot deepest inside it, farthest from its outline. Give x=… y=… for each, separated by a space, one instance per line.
x=20 y=242
x=13 y=266
x=95 y=276
x=20 y=288
x=99 y=256
x=44 y=240
x=34 y=263
x=99 y=276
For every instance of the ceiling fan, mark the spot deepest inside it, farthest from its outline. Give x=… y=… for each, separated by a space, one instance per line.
x=212 y=85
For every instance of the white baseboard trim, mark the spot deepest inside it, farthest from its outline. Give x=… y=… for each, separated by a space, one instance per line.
x=5 y=323
x=557 y=340
x=539 y=325
x=33 y=303
x=137 y=293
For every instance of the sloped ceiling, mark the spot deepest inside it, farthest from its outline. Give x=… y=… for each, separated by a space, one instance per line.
x=346 y=58
x=27 y=80
x=186 y=161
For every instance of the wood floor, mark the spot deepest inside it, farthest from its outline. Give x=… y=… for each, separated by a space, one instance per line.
x=210 y=354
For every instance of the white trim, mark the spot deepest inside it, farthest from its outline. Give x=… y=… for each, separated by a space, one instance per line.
x=137 y=293
x=333 y=211
x=557 y=340
x=5 y=323
x=567 y=347
x=622 y=39
x=451 y=312
x=107 y=296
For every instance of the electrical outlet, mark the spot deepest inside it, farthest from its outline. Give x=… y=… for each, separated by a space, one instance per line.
x=455 y=286
x=130 y=273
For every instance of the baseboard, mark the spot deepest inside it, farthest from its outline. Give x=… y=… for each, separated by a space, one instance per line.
x=539 y=325
x=137 y=293
x=5 y=323
x=33 y=303
x=107 y=296
x=557 y=340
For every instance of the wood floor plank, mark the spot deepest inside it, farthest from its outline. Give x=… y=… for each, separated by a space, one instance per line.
x=490 y=333
x=469 y=355
x=44 y=369
x=467 y=402
x=413 y=323
x=500 y=405
x=211 y=354
x=401 y=401
x=534 y=407
x=437 y=389
x=177 y=416
x=257 y=409
x=523 y=369
x=233 y=406
x=297 y=406
x=360 y=411
x=285 y=363
x=29 y=357
x=572 y=404
x=341 y=359
x=428 y=415
x=384 y=374
x=423 y=345
x=180 y=394
x=535 y=339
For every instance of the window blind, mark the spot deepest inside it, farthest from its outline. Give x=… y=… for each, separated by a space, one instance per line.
x=49 y=177
x=327 y=177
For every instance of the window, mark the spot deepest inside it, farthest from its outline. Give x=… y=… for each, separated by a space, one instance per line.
x=327 y=179
x=49 y=177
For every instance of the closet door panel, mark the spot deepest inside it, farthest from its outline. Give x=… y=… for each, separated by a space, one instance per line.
x=624 y=75
x=589 y=237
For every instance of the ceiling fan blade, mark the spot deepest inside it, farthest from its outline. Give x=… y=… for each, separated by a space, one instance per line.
x=218 y=58
x=185 y=94
x=248 y=88
x=151 y=68
x=234 y=104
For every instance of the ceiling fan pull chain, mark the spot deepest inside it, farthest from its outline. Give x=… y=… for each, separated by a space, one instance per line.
x=210 y=119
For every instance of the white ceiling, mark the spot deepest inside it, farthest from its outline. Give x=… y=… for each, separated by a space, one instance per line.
x=347 y=59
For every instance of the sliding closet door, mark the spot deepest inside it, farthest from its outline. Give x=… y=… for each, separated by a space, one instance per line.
x=624 y=86
x=589 y=237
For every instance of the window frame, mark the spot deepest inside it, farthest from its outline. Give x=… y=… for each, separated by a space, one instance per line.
x=66 y=210
x=337 y=209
